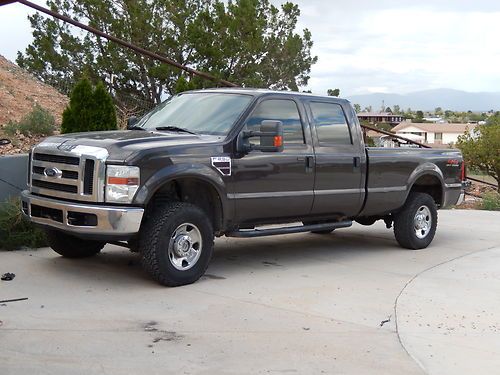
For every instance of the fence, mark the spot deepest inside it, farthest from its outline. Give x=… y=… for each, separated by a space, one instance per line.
x=13 y=175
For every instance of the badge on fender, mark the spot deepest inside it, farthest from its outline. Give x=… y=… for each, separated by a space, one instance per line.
x=222 y=164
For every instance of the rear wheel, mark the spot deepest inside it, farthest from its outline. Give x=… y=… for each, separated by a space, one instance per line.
x=176 y=244
x=415 y=225
x=72 y=247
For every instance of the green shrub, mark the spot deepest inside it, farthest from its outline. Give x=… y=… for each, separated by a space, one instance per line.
x=15 y=230
x=491 y=201
x=38 y=122
x=89 y=109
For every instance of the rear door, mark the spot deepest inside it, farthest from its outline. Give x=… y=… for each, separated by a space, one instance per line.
x=340 y=158
x=275 y=185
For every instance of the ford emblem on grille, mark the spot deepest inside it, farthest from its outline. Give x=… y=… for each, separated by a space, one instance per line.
x=52 y=172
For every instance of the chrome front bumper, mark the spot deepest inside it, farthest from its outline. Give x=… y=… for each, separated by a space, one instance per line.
x=82 y=218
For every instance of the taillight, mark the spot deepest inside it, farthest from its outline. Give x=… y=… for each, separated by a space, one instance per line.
x=463 y=175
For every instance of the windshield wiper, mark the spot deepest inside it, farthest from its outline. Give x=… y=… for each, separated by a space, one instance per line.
x=175 y=129
x=135 y=127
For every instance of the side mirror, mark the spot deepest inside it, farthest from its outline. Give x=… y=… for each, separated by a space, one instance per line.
x=131 y=121
x=270 y=134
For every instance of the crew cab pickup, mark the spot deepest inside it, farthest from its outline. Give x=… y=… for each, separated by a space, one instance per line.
x=233 y=162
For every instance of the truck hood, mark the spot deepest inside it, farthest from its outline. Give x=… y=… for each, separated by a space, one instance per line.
x=121 y=145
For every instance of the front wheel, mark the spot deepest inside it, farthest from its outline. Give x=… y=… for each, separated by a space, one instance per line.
x=176 y=244
x=72 y=247
x=415 y=225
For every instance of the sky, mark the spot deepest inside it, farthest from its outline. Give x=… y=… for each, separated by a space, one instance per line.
x=367 y=46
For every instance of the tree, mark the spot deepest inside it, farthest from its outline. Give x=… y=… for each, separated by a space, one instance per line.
x=438 y=111
x=77 y=115
x=249 y=42
x=397 y=109
x=357 y=108
x=388 y=110
x=419 y=116
x=333 y=92
x=104 y=113
x=89 y=109
x=480 y=148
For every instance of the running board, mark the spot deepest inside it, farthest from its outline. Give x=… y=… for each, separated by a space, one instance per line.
x=249 y=233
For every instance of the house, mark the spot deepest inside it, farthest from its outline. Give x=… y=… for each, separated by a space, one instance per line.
x=380 y=117
x=435 y=119
x=435 y=133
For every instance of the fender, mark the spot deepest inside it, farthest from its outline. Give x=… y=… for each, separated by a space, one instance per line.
x=184 y=170
x=426 y=169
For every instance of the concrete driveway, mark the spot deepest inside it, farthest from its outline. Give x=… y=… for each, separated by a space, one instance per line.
x=297 y=304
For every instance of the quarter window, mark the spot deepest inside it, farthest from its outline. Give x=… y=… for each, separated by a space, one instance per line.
x=331 y=124
x=285 y=111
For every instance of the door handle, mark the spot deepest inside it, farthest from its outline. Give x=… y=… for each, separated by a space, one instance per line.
x=310 y=162
x=357 y=161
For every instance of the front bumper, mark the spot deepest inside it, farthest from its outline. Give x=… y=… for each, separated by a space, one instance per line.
x=78 y=218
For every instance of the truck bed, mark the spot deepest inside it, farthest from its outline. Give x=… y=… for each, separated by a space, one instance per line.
x=392 y=171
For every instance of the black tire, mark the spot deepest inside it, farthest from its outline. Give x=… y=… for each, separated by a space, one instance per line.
x=324 y=231
x=72 y=247
x=406 y=226
x=157 y=243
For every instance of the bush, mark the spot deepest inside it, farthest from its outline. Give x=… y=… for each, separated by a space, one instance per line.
x=491 y=201
x=89 y=109
x=38 y=122
x=15 y=230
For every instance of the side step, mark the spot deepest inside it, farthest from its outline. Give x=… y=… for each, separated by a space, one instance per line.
x=249 y=233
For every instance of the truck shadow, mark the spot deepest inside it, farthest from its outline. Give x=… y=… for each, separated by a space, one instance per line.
x=235 y=256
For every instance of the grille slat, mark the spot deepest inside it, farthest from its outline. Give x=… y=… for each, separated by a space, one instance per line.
x=53 y=186
x=71 y=175
x=72 y=160
x=88 y=177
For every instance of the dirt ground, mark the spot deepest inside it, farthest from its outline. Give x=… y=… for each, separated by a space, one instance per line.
x=19 y=92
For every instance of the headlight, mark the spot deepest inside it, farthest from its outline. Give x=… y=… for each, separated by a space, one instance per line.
x=122 y=183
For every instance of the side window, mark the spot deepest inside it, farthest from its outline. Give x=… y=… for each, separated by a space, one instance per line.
x=331 y=124
x=285 y=111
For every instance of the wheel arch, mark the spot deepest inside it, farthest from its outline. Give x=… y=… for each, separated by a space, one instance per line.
x=198 y=185
x=428 y=179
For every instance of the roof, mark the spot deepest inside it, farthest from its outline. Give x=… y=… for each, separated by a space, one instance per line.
x=434 y=128
x=262 y=92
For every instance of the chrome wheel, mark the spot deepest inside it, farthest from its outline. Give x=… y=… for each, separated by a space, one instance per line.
x=185 y=246
x=422 y=222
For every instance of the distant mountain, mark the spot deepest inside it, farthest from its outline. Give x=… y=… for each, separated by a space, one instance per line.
x=428 y=100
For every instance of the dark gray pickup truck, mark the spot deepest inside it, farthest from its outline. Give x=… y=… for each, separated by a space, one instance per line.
x=231 y=162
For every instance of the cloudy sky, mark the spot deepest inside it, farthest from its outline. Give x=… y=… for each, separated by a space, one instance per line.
x=374 y=46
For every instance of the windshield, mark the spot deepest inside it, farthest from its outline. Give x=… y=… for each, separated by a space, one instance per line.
x=200 y=113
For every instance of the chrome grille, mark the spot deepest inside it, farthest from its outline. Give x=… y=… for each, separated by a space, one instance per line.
x=76 y=174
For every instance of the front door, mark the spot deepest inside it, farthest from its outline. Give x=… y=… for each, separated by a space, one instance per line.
x=275 y=185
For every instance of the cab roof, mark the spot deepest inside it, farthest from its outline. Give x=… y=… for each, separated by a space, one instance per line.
x=264 y=92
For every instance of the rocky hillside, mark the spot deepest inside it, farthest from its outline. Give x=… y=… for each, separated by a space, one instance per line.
x=19 y=91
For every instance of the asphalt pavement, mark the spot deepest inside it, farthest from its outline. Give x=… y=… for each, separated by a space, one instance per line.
x=351 y=302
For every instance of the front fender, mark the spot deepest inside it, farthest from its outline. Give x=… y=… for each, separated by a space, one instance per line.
x=178 y=171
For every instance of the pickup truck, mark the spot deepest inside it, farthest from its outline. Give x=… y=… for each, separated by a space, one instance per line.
x=233 y=162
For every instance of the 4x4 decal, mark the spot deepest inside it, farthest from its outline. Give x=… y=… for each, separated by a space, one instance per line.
x=222 y=164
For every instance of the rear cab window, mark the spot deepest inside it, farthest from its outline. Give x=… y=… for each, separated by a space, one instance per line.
x=330 y=123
